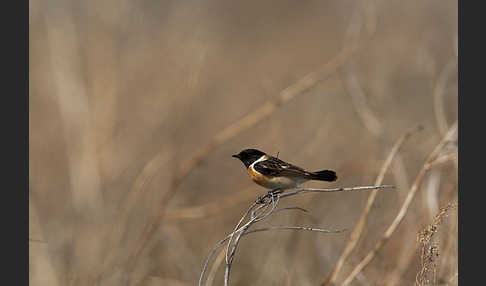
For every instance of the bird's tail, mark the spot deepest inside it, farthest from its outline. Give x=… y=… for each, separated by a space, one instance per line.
x=324 y=175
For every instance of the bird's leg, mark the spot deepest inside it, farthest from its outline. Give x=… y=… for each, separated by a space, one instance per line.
x=275 y=192
x=261 y=199
x=270 y=194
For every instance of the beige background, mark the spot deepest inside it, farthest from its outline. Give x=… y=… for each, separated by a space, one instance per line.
x=124 y=93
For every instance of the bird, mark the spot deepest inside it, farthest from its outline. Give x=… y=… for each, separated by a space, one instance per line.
x=272 y=173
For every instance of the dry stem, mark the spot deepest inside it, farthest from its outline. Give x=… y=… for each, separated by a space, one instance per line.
x=260 y=211
x=358 y=229
x=403 y=210
x=429 y=250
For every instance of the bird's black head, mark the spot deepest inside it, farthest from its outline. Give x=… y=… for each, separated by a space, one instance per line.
x=248 y=156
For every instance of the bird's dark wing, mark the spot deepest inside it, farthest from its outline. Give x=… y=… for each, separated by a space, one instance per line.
x=275 y=167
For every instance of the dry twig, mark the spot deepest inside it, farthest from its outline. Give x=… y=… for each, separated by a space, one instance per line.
x=403 y=210
x=358 y=229
x=431 y=193
x=394 y=277
x=259 y=211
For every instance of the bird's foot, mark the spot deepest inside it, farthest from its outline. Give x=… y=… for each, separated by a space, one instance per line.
x=274 y=193
x=270 y=194
x=261 y=199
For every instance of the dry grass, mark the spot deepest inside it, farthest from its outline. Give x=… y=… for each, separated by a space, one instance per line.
x=136 y=108
x=429 y=248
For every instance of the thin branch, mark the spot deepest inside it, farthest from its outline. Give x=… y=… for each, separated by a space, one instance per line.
x=236 y=227
x=259 y=211
x=409 y=250
x=442 y=159
x=358 y=229
x=221 y=242
x=333 y=190
x=206 y=262
x=403 y=210
x=229 y=263
x=217 y=262
x=292 y=208
x=255 y=215
x=296 y=228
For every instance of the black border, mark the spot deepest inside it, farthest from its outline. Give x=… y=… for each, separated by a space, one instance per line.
x=15 y=138
x=471 y=145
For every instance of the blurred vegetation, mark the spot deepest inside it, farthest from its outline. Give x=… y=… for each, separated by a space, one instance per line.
x=132 y=113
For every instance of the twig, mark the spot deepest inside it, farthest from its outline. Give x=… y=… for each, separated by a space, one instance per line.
x=350 y=189
x=403 y=210
x=358 y=229
x=259 y=211
x=410 y=248
x=219 y=259
x=442 y=159
x=291 y=208
x=236 y=227
x=221 y=242
x=255 y=217
x=229 y=263
x=296 y=228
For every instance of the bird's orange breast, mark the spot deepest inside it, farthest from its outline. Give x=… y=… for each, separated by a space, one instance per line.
x=279 y=182
x=257 y=177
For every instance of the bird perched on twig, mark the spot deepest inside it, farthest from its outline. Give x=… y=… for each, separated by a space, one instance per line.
x=277 y=175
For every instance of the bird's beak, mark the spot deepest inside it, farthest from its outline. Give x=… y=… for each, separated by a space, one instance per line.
x=236 y=156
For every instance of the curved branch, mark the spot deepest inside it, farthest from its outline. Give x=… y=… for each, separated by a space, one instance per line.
x=403 y=210
x=358 y=229
x=258 y=211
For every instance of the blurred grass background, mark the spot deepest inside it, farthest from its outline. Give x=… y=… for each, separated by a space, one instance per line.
x=124 y=94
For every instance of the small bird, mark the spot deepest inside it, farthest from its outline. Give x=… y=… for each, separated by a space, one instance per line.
x=275 y=174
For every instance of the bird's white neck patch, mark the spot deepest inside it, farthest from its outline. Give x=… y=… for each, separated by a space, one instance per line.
x=262 y=158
